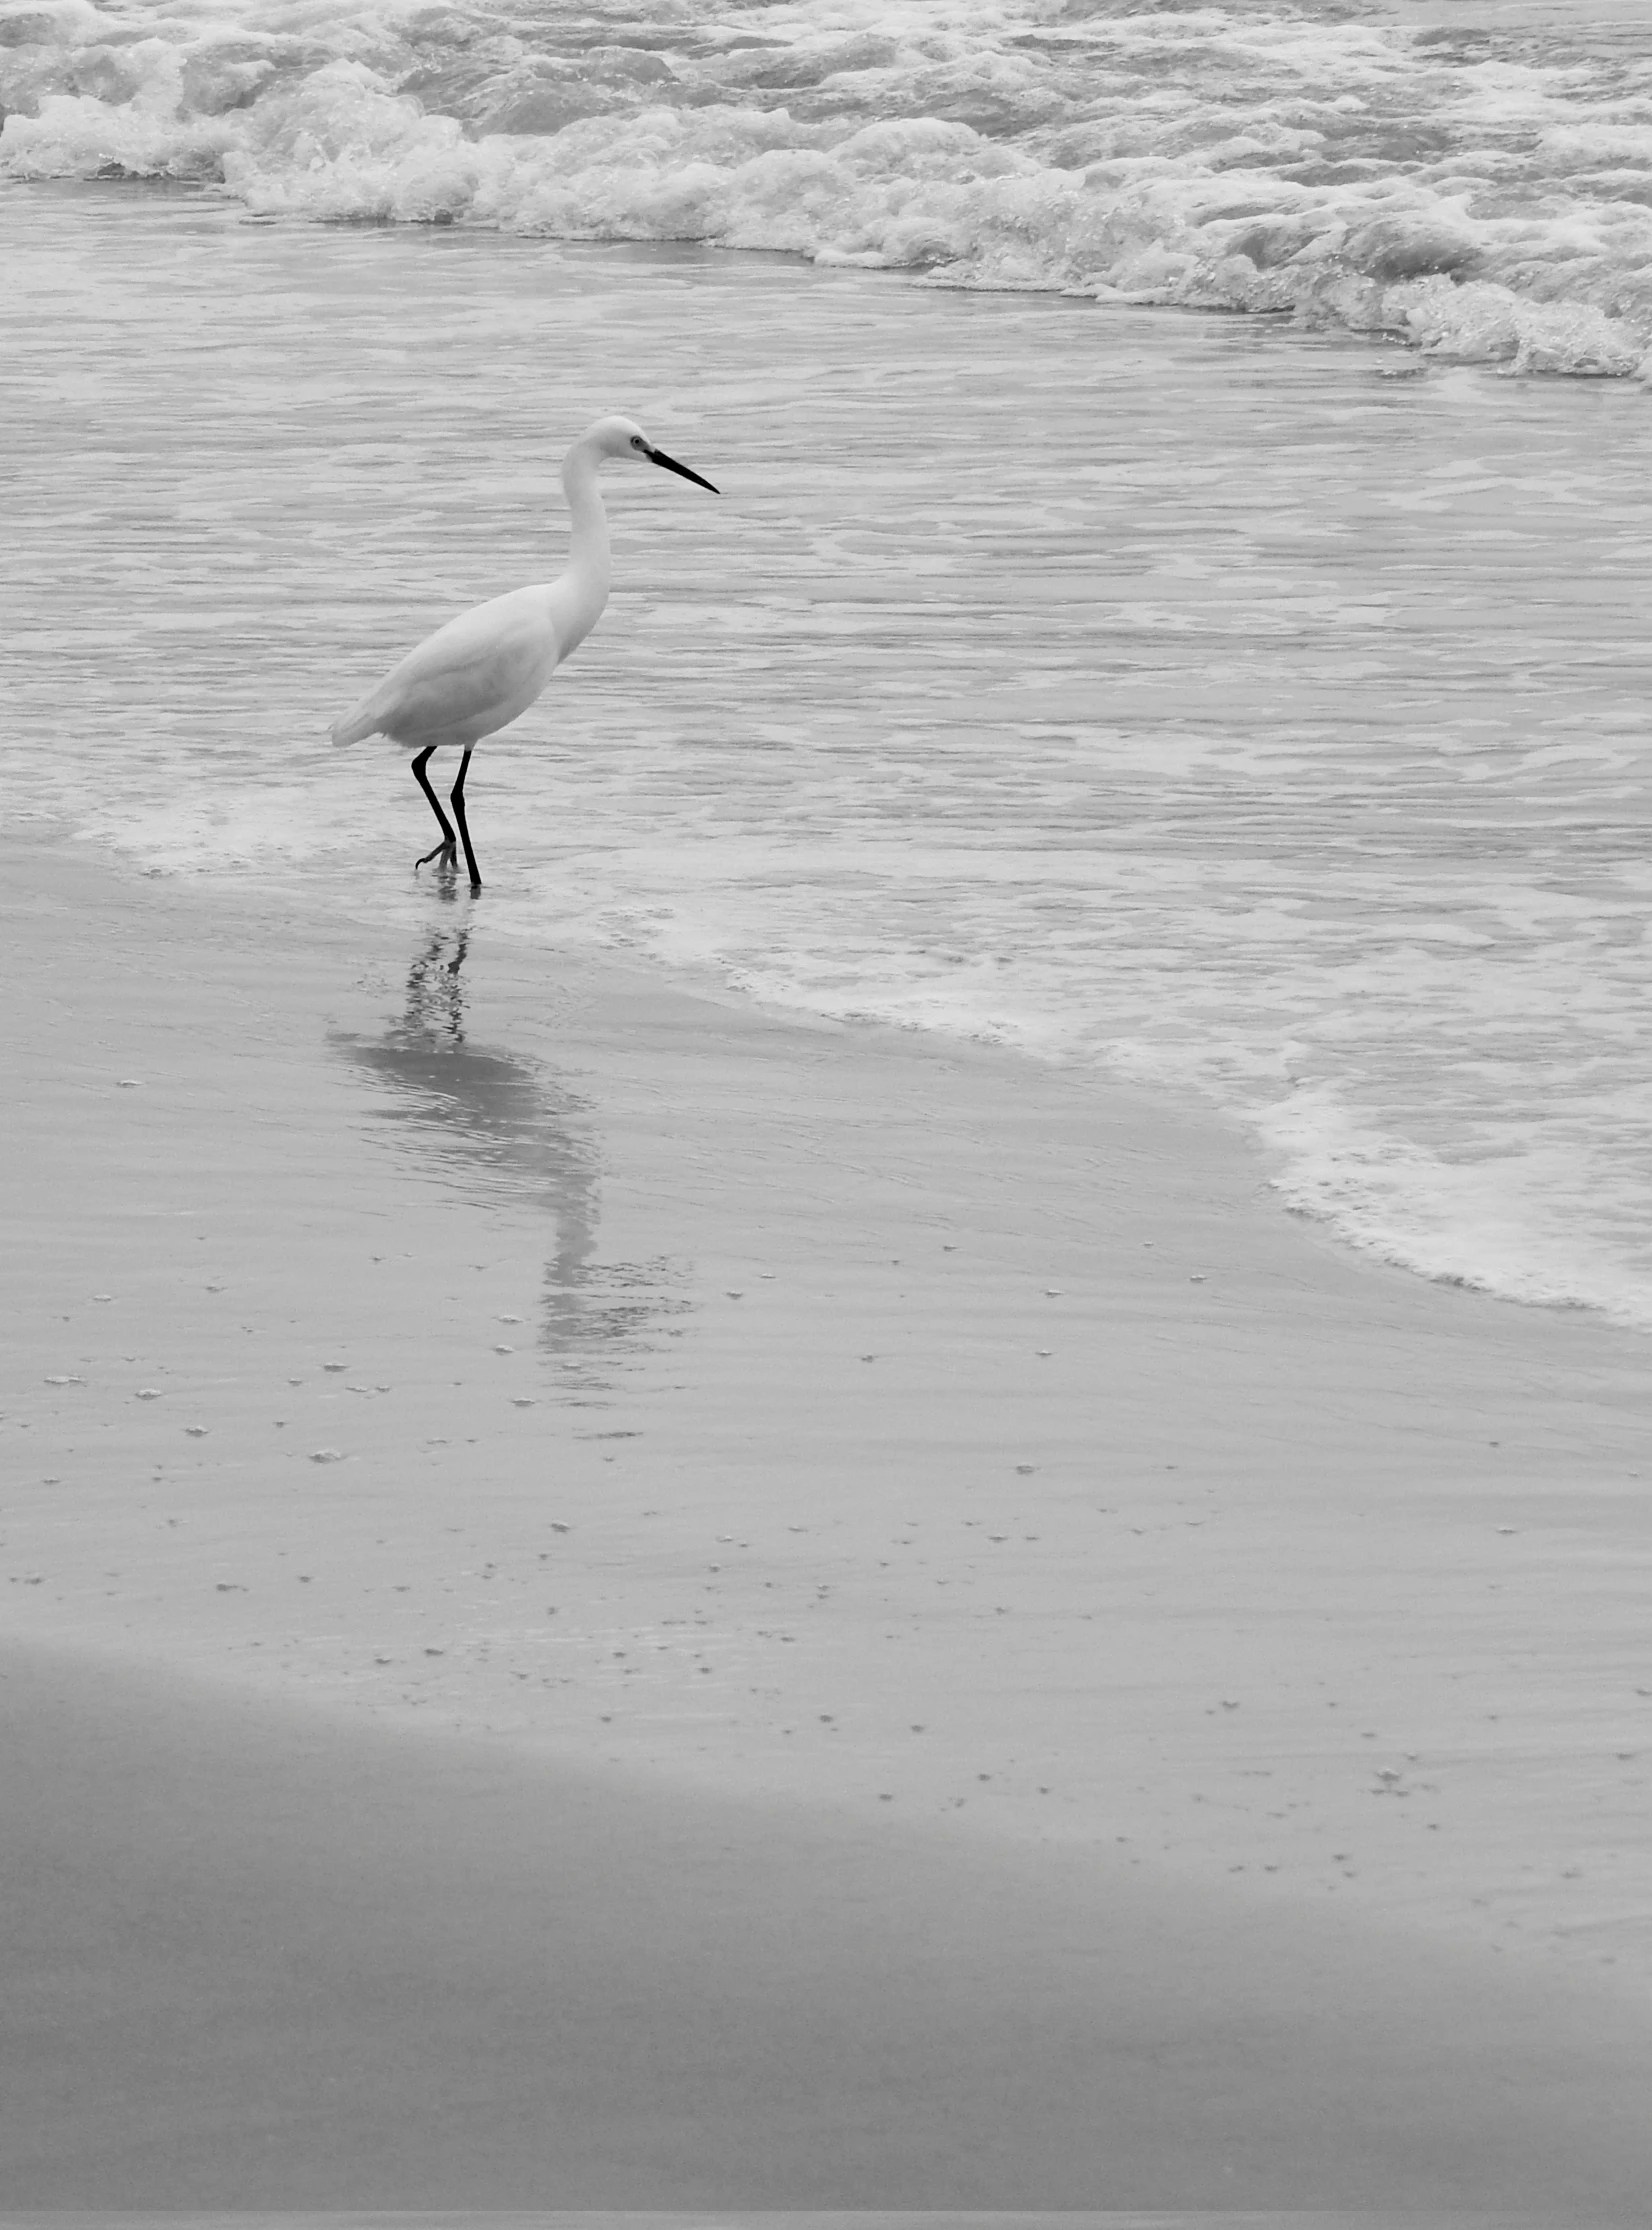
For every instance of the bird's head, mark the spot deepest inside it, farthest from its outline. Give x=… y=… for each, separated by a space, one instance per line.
x=623 y=437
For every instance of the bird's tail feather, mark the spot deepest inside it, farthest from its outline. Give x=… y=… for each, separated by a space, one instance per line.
x=356 y=724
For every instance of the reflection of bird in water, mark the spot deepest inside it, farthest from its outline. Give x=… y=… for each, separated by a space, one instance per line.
x=435 y=998
x=485 y=668
x=501 y=1129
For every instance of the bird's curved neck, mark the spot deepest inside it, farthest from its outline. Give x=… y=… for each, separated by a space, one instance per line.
x=588 y=565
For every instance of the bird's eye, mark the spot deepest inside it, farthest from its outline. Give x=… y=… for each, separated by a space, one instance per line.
x=637 y=442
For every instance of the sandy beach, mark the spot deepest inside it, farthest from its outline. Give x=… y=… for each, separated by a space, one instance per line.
x=656 y=1606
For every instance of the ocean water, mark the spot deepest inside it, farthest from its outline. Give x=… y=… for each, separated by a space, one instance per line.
x=1177 y=606
x=1474 y=174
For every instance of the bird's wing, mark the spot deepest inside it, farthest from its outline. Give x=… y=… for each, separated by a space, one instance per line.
x=468 y=669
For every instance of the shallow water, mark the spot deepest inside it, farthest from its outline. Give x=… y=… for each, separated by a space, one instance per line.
x=1247 y=709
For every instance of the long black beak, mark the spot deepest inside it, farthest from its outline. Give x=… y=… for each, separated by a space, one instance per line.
x=659 y=457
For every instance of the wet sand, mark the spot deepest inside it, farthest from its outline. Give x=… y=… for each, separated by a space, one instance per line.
x=608 y=1593
x=258 y=1960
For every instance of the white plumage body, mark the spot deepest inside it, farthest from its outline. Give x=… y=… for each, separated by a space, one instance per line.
x=475 y=675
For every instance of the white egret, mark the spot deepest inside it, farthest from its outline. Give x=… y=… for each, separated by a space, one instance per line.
x=485 y=668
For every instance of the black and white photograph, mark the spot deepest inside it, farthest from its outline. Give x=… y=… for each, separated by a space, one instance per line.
x=826 y=1138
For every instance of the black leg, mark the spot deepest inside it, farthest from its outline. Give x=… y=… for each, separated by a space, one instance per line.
x=457 y=794
x=423 y=780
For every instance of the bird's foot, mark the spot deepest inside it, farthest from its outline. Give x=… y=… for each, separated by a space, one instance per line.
x=447 y=852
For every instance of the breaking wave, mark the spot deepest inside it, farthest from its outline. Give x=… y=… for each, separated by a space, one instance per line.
x=1485 y=197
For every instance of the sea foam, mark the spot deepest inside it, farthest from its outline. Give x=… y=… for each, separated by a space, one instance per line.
x=1486 y=200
